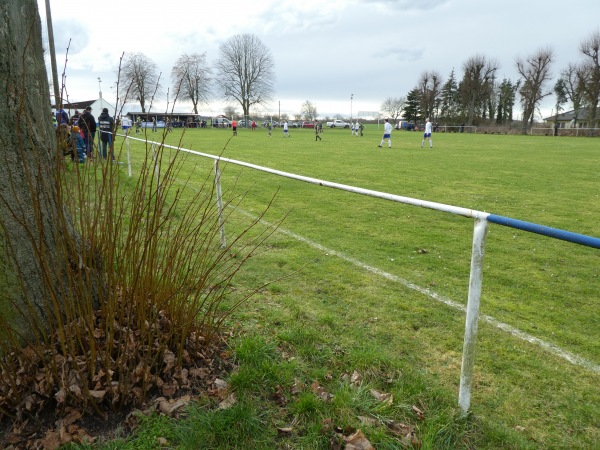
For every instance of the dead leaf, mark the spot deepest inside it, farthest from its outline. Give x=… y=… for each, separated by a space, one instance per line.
x=418 y=412
x=169 y=389
x=220 y=384
x=199 y=372
x=285 y=431
x=399 y=428
x=51 y=441
x=369 y=421
x=99 y=395
x=169 y=360
x=519 y=428
x=297 y=388
x=356 y=379
x=168 y=407
x=228 y=402
x=358 y=441
x=320 y=391
x=383 y=397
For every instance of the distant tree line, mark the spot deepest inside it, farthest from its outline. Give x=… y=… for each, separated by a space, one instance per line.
x=243 y=74
x=479 y=97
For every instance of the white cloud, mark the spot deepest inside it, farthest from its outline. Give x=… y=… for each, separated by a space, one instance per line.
x=323 y=51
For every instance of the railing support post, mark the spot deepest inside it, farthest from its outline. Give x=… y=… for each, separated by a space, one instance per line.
x=475 y=281
x=127 y=145
x=220 y=204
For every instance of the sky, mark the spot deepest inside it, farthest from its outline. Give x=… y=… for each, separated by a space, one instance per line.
x=344 y=56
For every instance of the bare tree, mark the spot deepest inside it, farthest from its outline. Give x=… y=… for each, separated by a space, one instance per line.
x=475 y=86
x=230 y=111
x=245 y=71
x=309 y=110
x=589 y=75
x=571 y=81
x=140 y=77
x=429 y=93
x=191 y=77
x=535 y=72
x=393 y=107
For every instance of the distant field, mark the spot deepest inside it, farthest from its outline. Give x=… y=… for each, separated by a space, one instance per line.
x=547 y=288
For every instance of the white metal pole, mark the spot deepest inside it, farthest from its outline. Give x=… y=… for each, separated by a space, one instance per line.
x=475 y=281
x=220 y=204
x=156 y=168
x=128 y=155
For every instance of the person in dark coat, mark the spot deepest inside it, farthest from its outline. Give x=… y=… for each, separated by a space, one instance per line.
x=107 y=128
x=87 y=124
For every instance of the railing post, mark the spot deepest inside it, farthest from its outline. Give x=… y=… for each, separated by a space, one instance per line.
x=220 y=204
x=156 y=168
x=127 y=145
x=475 y=281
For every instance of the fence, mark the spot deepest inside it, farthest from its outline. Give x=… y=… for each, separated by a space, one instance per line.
x=477 y=253
x=545 y=131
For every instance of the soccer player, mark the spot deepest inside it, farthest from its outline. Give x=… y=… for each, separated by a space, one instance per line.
x=427 y=134
x=285 y=129
x=387 y=134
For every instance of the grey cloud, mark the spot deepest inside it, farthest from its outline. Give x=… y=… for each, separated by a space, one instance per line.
x=402 y=54
x=67 y=29
x=410 y=5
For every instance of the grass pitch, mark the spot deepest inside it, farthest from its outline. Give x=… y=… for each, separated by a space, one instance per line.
x=342 y=269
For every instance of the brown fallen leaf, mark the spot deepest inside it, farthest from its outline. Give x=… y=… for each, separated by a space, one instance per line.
x=369 y=421
x=356 y=379
x=228 y=402
x=418 y=412
x=358 y=441
x=297 y=388
x=168 y=407
x=383 y=397
x=399 y=428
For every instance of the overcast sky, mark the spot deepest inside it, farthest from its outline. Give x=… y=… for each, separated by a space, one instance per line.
x=325 y=51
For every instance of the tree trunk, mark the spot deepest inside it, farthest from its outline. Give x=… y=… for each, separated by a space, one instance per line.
x=32 y=222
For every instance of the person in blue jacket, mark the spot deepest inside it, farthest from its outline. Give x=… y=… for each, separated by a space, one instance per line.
x=77 y=144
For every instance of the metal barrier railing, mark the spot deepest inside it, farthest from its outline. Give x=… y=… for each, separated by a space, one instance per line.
x=477 y=252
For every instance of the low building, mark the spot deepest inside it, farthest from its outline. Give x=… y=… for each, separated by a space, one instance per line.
x=578 y=118
x=97 y=107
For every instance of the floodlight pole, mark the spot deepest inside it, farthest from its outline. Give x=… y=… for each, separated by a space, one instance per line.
x=351 y=97
x=57 y=100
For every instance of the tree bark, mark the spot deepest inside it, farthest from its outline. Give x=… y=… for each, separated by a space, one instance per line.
x=32 y=220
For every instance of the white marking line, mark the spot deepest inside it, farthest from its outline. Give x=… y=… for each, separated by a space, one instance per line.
x=549 y=347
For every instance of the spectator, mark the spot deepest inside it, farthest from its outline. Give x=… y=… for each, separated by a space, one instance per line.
x=234 y=127
x=87 y=124
x=62 y=117
x=107 y=126
x=77 y=145
x=317 y=137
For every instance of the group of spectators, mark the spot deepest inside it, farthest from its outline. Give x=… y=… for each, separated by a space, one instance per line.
x=76 y=134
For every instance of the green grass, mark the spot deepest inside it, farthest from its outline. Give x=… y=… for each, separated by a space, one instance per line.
x=323 y=317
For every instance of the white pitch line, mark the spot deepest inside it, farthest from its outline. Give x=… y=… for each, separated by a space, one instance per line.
x=549 y=347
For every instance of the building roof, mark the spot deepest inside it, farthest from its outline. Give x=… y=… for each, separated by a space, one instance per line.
x=77 y=105
x=579 y=115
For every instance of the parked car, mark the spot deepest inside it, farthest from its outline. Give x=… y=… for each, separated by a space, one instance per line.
x=308 y=124
x=337 y=123
x=220 y=122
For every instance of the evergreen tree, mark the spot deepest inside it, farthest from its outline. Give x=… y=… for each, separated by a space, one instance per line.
x=506 y=100
x=412 y=112
x=449 y=100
